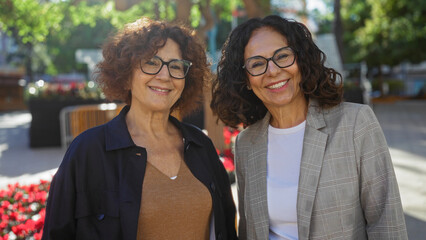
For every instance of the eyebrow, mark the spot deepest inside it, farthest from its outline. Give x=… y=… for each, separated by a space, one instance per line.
x=272 y=54
x=168 y=60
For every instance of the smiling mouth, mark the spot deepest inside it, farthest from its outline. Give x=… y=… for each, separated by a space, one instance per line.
x=160 y=89
x=277 y=85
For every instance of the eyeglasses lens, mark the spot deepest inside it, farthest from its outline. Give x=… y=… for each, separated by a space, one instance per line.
x=258 y=65
x=177 y=68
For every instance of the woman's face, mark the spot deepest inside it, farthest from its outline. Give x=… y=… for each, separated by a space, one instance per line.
x=277 y=87
x=157 y=92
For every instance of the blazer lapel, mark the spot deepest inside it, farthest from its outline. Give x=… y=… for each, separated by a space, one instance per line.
x=314 y=144
x=256 y=179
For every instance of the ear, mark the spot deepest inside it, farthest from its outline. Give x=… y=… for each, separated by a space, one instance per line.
x=248 y=86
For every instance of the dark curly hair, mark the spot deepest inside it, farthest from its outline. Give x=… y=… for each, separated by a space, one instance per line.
x=141 y=40
x=233 y=103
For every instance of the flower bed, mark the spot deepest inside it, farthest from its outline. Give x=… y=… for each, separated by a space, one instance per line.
x=22 y=211
x=227 y=155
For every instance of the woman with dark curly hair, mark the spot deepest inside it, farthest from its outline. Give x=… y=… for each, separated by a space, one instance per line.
x=144 y=174
x=308 y=165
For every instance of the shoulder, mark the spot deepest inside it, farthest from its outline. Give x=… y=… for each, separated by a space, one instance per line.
x=255 y=131
x=348 y=113
x=360 y=113
x=90 y=137
x=245 y=136
x=344 y=109
x=89 y=143
x=193 y=133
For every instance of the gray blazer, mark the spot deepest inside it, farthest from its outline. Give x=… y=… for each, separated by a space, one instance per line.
x=347 y=185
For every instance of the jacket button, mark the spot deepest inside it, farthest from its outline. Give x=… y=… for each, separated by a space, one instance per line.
x=212 y=186
x=100 y=217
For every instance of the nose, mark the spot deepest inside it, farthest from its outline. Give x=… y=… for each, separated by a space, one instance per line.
x=163 y=74
x=273 y=69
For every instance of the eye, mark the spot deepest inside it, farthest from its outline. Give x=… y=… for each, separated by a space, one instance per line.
x=177 y=65
x=152 y=62
x=281 y=56
x=256 y=63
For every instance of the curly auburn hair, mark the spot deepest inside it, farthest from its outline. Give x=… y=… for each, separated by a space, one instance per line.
x=233 y=103
x=141 y=40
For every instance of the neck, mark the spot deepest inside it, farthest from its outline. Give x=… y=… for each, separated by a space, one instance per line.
x=289 y=115
x=155 y=124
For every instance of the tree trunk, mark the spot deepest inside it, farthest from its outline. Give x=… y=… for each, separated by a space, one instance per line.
x=29 y=61
x=156 y=10
x=257 y=8
x=338 y=28
x=304 y=13
x=183 y=11
x=122 y=5
x=209 y=19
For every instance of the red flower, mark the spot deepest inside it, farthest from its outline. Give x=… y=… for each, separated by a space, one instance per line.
x=5 y=237
x=3 y=225
x=5 y=205
x=228 y=163
x=5 y=217
x=37 y=236
x=18 y=196
x=22 y=210
x=13 y=216
x=227 y=135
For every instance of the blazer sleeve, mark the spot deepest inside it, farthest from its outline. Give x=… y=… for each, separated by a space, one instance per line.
x=59 y=220
x=379 y=192
x=239 y=170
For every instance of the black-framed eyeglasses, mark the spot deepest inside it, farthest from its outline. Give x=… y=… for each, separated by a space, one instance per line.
x=177 y=68
x=257 y=65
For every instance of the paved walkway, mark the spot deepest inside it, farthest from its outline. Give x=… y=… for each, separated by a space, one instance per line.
x=404 y=125
x=18 y=162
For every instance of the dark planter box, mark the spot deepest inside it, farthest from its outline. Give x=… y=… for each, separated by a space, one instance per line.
x=45 y=125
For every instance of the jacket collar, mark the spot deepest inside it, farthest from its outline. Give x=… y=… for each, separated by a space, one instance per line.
x=314 y=119
x=311 y=163
x=117 y=135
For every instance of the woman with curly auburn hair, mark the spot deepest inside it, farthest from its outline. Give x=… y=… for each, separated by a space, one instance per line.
x=308 y=165
x=144 y=174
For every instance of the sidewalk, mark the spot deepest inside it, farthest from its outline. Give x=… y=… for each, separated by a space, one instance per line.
x=404 y=125
x=18 y=162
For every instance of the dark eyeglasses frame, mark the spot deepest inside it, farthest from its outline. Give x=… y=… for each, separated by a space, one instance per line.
x=270 y=59
x=167 y=64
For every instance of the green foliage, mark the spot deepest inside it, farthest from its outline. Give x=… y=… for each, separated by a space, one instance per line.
x=49 y=32
x=324 y=21
x=195 y=16
x=385 y=31
x=396 y=86
x=28 y=20
x=223 y=8
x=62 y=51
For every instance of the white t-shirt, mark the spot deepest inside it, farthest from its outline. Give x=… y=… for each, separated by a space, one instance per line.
x=284 y=156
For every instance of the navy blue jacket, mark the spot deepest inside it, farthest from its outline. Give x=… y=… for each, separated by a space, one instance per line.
x=96 y=192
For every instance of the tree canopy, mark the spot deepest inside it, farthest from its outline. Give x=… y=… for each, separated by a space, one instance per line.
x=49 y=32
x=385 y=31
